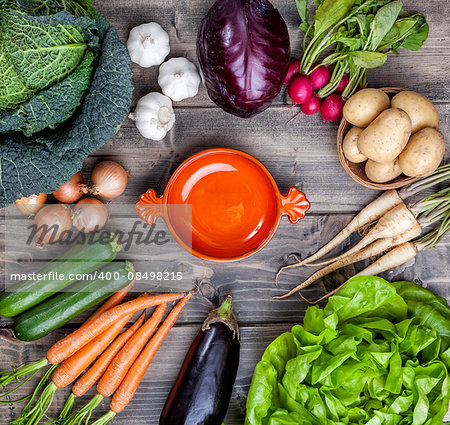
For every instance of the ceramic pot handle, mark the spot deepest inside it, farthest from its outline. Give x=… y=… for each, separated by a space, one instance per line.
x=150 y=207
x=294 y=204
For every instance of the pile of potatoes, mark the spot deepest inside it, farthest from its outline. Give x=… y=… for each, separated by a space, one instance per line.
x=394 y=136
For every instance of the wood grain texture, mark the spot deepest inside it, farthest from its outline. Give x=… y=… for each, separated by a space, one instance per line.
x=146 y=406
x=302 y=153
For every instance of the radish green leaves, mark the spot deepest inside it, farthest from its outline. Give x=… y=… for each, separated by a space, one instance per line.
x=362 y=32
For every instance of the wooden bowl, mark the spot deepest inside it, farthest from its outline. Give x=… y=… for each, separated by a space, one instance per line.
x=356 y=171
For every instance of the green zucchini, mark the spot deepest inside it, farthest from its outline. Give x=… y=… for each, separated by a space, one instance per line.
x=60 y=309
x=80 y=259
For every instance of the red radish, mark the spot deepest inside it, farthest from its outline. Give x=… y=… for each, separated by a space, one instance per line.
x=300 y=89
x=331 y=109
x=342 y=84
x=312 y=105
x=319 y=77
x=294 y=68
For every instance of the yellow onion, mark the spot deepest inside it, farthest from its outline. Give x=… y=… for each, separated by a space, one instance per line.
x=90 y=214
x=51 y=223
x=70 y=192
x=30 y=205
x=109 y=179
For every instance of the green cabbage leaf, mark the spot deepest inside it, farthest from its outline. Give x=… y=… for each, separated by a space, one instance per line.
x=378 y=353
x=65 y=88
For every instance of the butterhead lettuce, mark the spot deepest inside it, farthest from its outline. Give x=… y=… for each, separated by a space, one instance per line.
x=378 y=353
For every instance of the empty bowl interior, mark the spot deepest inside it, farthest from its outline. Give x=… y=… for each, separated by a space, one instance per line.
x=222 y=204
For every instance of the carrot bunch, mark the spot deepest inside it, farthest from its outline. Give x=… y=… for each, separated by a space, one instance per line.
x=114 y=356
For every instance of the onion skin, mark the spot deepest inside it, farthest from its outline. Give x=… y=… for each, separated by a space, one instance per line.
x=109 y=179
x=90 y=214
x=51 y=223
x=71 y=191
x=32 y=204
x=243 y=49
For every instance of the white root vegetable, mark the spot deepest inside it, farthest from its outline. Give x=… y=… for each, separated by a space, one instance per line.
x=376 y=248
x=396 y=257
x=385 y=202
x=396 y=221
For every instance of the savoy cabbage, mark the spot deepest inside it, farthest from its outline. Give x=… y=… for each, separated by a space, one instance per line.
x=65 y=88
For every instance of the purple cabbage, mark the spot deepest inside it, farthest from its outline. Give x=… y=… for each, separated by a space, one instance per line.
x=243 y=49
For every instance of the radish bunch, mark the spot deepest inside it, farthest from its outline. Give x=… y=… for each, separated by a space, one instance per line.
x=302 y=89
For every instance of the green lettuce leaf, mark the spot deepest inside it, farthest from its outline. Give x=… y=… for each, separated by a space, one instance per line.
x=363 y=359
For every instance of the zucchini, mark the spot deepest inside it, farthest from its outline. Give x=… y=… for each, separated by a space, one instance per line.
x=60 y=309
x=82 y=259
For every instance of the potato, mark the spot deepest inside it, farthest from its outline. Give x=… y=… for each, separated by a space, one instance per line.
x=386 y=136
x=382 y=172
x=421 y=111
x=350 y=146
x=423 y=153
x=364 y=106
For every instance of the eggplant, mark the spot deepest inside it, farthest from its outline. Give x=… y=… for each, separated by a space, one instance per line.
x=202 y=391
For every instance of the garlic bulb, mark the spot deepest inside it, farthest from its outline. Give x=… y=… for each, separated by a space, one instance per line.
x=154 y=116
x=148 y=44
x=179 y=79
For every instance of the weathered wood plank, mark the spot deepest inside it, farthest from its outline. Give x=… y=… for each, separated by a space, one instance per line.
x=303 y=154
x=426 y=71
x=251 y=281
x=291 y=153
x=150 y=398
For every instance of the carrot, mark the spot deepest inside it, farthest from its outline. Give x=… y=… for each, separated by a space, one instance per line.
x=134 y=376
x=71 y=368
x=86 y=381
x=129 y=385
x=69 y=345
x=376 y=248
x=112 y=301
x=119 y=367
x=32 y=368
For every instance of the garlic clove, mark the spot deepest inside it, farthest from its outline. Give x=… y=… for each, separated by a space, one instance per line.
x=179 y=79
x=148 y=44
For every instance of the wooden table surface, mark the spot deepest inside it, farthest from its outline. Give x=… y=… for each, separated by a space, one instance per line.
x=302 y=153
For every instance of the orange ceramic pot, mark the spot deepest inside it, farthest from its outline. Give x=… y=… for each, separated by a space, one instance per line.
x=222 y=205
